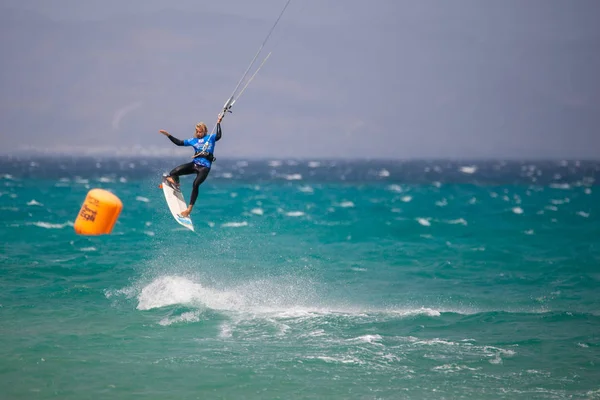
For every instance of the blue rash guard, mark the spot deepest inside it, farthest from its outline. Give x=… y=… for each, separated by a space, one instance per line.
x=207 y=144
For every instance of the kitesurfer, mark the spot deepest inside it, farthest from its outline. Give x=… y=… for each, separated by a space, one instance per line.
x=204 y=146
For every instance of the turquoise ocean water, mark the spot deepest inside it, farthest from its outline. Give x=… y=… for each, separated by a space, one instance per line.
x=304 y=279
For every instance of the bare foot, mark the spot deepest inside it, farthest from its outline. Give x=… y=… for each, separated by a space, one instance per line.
x=185 y=213
x=172 y=181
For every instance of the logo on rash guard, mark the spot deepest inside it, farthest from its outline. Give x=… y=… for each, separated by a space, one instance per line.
x=206 y=145
x=199 y=145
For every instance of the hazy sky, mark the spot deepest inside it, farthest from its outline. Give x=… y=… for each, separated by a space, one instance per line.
x=346 y=78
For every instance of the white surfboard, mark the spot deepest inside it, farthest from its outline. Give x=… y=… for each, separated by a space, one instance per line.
x=176 y=203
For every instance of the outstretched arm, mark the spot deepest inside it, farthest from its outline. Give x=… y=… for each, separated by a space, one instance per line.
x=173 y=139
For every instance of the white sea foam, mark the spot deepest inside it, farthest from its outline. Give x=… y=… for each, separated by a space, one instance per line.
x=317 y=333
x=560 y=201
x=306 y=189
x=88 y=249
x=337 y=360
x=281 y=302
x=371 y=339
x=384 y=173
x=495 y=354
x=461 y=221
x=529 y=232
x=234 y=224
x=171 y=290
x=593 y=394
x=430 y=312
x=48 y=225
x=346 y=204
x=451 y=368
x=226 y=175
x=551 y=208
x=314 y=164
x=517 y=210
x=123 y=179
x=587 y=191
x=294 y=213
x=191 y=316
x=406 y=199
x=225 y=330
x=257 y=211
x=271 y=298
x=395 y=188
x=468 y=169
x=142 y=199
x=34 y=203
x=424 y=221
x=275 y=163
x=583 y=214
x=563 y=186
x=105 y=179
x=432 y=342
x=442 y=203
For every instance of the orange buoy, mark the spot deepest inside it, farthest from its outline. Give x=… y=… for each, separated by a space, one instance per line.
x=98 y=213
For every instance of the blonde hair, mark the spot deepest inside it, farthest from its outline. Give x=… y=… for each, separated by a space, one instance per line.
x=202 y=126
